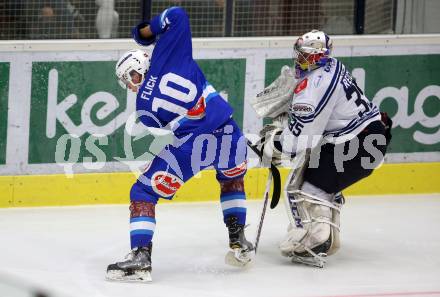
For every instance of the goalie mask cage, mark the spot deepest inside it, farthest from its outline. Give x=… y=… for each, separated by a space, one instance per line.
x=85 y=19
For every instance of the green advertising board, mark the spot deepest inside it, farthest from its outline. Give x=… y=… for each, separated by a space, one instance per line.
x=4 y=91
x=406 y=87
x=228 y=76
x=80 y=107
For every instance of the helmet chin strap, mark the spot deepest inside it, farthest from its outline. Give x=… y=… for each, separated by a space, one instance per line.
x=303 y=66
x=299 y=73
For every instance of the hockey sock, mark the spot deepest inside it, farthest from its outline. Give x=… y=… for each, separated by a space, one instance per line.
x=142 y=223
x=232 y=198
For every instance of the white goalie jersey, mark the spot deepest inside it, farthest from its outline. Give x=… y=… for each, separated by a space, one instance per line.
x=327 y=103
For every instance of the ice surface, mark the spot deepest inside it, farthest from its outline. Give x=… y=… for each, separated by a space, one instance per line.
x=390 y=247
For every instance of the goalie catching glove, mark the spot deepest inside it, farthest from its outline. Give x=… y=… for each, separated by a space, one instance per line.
x=275 y=99
x=270 y=146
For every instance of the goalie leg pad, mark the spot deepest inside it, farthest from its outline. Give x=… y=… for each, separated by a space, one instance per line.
x=336 y=243
x=314 y=228
x=311 y=229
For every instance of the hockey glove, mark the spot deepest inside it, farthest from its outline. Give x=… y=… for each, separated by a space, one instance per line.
x=137 y=35
x=275 y=99
x=388 y=123
x=270 y=146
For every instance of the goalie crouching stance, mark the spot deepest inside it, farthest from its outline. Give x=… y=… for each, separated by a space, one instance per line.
x=331 y=136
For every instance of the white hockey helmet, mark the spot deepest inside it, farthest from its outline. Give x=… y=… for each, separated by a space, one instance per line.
x=312 y=50
x=132 y=61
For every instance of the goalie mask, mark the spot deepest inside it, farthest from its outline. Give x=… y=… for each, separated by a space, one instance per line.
x=311 y=50
x=132 y=67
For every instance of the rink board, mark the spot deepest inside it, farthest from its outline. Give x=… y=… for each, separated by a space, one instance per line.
x=113 y=188
x=63 y=117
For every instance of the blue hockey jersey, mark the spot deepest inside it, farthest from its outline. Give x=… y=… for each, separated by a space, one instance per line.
x=175 y=92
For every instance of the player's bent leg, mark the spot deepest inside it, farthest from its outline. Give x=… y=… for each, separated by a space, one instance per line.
x=315 y=233
x=160 y=180
x=231 y=166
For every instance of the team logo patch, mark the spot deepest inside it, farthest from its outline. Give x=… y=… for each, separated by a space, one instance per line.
x=236 y=171
x=165 y=183
x=198 y=111
x=301 y=86
x=302 y=109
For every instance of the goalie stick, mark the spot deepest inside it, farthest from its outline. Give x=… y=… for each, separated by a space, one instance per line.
x=263 y=212
x=275 y=176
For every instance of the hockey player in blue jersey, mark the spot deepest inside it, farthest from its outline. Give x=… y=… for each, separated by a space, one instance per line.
x=174 y=95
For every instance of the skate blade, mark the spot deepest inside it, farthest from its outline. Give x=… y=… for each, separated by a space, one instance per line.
x=310 y=261
x=138 y=276
x=237 y=259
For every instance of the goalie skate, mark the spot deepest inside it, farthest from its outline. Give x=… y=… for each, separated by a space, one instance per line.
x=317 y=260
x=137 y=267
x=310 y=257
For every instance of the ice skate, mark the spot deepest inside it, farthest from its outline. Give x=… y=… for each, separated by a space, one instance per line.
x=312 y=257
x=241 y=249
x=137 y=266
x=316 y=261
